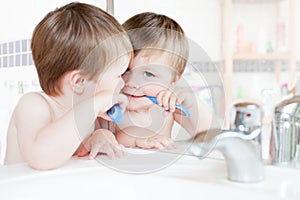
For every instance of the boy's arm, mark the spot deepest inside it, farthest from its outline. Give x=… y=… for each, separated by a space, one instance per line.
x=47 y=144
x=125 y=139
x=200 y=119
x=200 y=114
x=133 y=137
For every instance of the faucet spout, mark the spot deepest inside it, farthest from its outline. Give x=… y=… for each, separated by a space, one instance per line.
x=244 y=164
x=242 y=159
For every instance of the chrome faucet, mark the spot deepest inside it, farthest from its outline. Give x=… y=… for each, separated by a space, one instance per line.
x=285 y=137
x=244 y=163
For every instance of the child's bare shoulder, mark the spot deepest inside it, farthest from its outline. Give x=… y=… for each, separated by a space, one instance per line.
x=33 y=99
x=32 y=104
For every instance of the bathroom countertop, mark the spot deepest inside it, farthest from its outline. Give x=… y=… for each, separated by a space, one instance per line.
x=188 y=177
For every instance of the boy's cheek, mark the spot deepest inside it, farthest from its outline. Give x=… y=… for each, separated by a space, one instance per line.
x=154 y=89
x=137 y=104
x=119 y=86
x=123 y=101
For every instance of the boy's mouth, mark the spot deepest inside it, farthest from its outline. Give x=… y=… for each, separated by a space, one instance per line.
x=134 y=96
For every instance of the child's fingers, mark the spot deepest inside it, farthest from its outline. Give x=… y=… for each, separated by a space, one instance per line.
x=94 y=151
x=82 y=150
x=159 y=97
x=118 y=151
x=172 y=103
x=166 y=141
x=146 y=144
x=156 y=145
x=122 y=147
x=108 y=150
x=172 y=146
x=175 y=145
x=166 y=100
x=169 y=145
x=180 y=98
x=166 y=113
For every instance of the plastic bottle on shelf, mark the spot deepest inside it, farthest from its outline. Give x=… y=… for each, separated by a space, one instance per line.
x=281 y=43
x=269 y=46
x=240 y=92
x=285 y=92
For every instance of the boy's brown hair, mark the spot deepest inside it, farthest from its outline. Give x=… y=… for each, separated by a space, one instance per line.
x=158 y=32
x=76 y=36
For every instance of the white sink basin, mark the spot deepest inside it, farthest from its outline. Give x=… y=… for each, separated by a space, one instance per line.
x=188 y=178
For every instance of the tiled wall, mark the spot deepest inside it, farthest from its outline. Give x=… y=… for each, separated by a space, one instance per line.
x=15 y=53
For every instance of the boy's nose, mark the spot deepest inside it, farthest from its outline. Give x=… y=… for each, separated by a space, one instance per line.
x=131 y=80
x=132 y=83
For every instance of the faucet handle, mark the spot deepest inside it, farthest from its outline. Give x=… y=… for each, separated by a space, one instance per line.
x=239 y=134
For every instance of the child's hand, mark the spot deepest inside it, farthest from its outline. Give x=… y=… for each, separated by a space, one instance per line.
x=156 y=142
x=101 y=141
x=172 y=96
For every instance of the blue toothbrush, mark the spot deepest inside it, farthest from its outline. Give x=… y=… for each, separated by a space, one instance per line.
x=179 y=109
x=115 y=113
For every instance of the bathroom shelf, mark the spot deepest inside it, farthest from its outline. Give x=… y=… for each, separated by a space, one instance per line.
x=256 y=1
x=257 y=56
x=229 y=57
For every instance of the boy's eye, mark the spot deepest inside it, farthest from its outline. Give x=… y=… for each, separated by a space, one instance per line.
x=148 y=74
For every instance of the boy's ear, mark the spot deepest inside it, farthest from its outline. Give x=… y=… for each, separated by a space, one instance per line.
x=77 y=81
x=176 y=78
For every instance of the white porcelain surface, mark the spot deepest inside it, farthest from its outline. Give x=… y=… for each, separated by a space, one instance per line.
x=188 y=178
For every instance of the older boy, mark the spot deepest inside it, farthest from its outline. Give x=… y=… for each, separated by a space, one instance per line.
x=80 y=53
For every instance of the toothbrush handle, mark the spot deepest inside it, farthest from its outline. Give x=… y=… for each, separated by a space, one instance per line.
x=115 y=113
x=180 y=110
